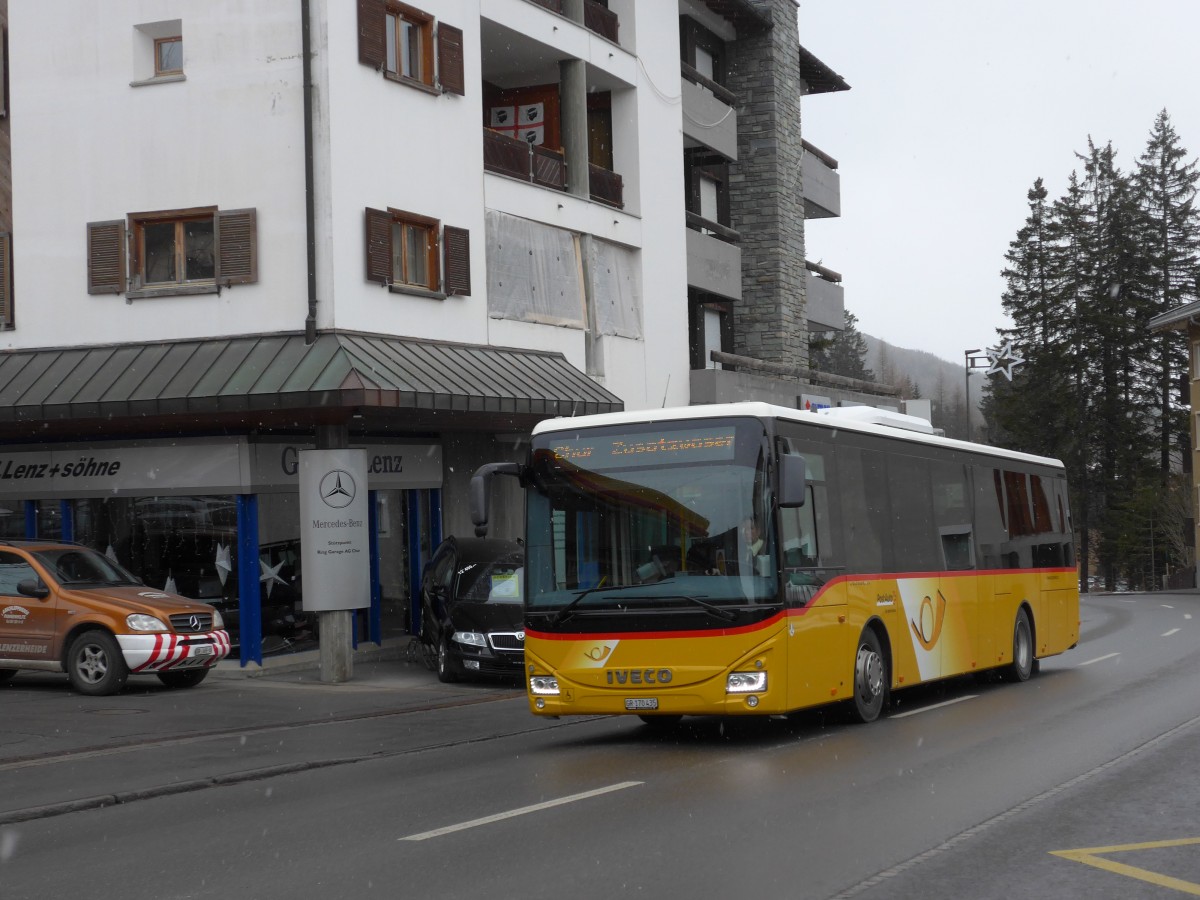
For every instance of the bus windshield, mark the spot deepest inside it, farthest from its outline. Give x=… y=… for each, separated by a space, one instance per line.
x=650 y=517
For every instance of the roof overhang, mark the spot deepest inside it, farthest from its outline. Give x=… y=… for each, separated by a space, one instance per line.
x=1176 y=319
x=278 y=381
x=819 y=77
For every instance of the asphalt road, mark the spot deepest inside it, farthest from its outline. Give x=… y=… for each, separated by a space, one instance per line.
x=1078 y=783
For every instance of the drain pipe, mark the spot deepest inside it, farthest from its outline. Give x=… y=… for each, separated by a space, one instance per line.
x=310 y=321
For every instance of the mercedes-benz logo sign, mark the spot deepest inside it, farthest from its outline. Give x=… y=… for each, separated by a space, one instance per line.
x=194 y=622
x=337 y=489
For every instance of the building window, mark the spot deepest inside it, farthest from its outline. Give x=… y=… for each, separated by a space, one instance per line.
x=1195 y=364
x=410 y=46
x=168 y=56
x=402 y=253
x=173 y=252
x=703 y=51
x=158 y=52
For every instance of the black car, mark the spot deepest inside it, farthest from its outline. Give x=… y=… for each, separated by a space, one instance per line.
x=471 y=610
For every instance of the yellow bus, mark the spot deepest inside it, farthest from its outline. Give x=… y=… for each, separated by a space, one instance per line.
x=744 y=558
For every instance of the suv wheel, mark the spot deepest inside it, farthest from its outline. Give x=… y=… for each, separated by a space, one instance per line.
x=95 y=664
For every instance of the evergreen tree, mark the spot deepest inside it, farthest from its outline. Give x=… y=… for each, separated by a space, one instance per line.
x=842 y=352
x=1166 y=186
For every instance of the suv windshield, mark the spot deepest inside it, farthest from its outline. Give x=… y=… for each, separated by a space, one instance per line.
x=680 y=509
x=79 y=565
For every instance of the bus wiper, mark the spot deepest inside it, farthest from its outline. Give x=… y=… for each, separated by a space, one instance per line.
x=719 y=611
x=565 y=613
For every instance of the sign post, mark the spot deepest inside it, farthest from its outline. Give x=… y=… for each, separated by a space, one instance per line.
x=334 y=548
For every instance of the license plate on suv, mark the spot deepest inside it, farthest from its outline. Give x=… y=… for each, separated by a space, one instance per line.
x=641 y=703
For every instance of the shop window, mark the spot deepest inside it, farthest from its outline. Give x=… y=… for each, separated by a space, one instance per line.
x=408 y=45
x=188 y=251
x=403 y=253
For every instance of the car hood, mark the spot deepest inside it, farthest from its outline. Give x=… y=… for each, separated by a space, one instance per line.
x=466 y=616
x=133 y=598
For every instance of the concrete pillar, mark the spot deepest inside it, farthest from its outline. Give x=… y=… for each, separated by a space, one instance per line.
x=336 y=627
x=572 y=90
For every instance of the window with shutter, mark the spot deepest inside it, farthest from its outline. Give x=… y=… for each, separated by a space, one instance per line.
x=6 y=282
x=399 y=41
x=172 y=252
x=457 y=251
x=106 y=257
x=450 y=59
x=237 y=246
x=402 y=252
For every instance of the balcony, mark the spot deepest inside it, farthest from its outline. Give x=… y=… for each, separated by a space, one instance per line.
x=601 y=19
x=709 y=118
x=825 y=306
x=605 y=186
x=821 y=184
x=516 y=158
x=714 y=260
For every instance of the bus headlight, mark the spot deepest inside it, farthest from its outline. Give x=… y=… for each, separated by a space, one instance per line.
x=470 y=638
x=543 y=685
x=746 y=683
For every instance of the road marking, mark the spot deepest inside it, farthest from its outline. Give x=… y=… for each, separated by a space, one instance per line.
x=1187 y=615
x=1166 y=606
x=914 y=712
x=512 y=813
x=1097 y=659
x=1093 y=856
x=1169 y=633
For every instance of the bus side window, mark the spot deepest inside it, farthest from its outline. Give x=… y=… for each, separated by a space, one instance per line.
x=991 y=532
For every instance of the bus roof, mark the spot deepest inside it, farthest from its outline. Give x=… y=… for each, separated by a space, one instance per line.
x=866 y=420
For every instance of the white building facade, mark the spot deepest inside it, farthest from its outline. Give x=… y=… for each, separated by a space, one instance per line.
x=238 y=230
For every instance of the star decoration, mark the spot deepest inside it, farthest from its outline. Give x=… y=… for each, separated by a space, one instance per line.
x=270 y=575
x=1004 y=360
x=223 y=562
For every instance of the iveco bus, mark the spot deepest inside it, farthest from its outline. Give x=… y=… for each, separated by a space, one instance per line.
x=751 y=559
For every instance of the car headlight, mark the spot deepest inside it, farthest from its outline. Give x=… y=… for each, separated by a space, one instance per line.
x=543 y=685
x=218 y=622
x=143 y=622
x=746 y=682
x=471 y=638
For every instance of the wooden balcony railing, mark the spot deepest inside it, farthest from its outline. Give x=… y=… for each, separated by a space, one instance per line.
x=606 y=186
x=601 y=20
x=519 y=159
x=552 y=5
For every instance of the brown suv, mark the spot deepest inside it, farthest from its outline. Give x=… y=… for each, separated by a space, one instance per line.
x=67 y=608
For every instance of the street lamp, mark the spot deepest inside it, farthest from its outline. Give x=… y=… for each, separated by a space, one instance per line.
x=972 y=360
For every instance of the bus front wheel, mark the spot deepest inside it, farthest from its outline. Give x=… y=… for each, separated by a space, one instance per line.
x=1022 y=664
x=871 y=680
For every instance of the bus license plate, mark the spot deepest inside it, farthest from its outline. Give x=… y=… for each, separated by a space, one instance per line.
x=642 y=703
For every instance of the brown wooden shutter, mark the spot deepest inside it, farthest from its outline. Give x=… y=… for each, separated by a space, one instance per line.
x=372 y=41
x=237 y=246
x=456 y=256
x=106 y=257
x=450 y=59
x=6 y=282
x=379 y=246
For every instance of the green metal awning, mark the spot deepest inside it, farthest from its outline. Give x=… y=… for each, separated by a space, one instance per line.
x=280 y=372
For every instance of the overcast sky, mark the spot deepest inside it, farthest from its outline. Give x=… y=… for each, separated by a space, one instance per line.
x=955 y=108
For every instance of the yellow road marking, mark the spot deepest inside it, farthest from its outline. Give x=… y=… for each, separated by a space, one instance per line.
x=1094 y=856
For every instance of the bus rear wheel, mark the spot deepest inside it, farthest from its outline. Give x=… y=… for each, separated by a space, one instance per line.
x=871 y=679
x=1022 y=664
